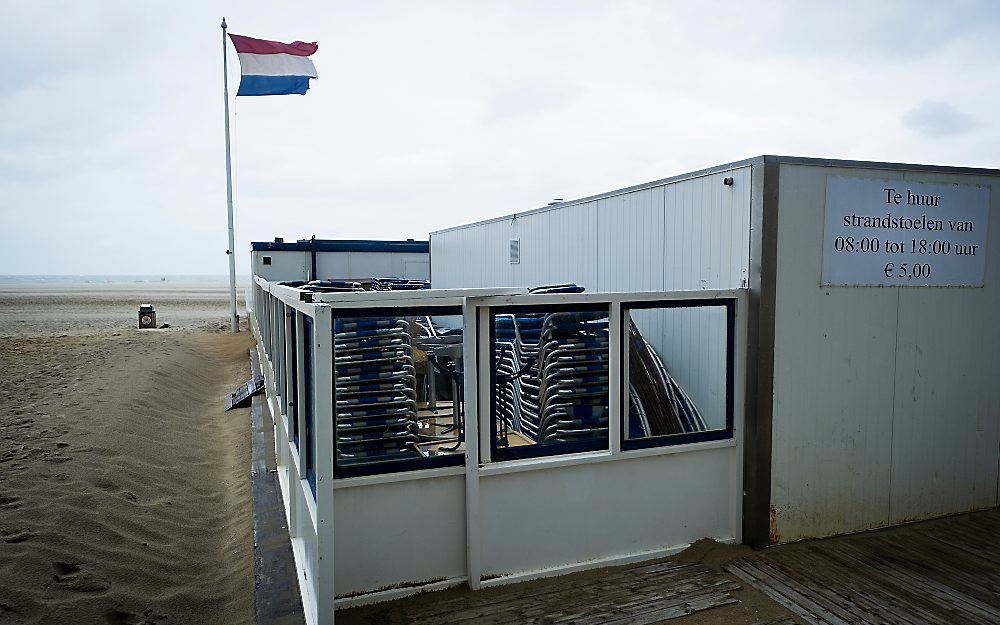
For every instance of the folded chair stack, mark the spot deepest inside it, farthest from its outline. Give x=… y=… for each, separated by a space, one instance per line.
x=375 y=390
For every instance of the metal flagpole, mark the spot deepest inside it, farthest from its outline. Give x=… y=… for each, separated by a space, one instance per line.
x=229 y=191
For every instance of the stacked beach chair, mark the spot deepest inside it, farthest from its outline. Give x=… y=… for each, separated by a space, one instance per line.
x=517 y=342
x=554 y=372
x=658 y=405
x=375 y=390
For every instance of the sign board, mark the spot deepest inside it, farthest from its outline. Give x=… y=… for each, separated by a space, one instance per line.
x=901 y=233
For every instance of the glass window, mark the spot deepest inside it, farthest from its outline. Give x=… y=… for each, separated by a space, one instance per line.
x=398 y=389
x=549 y=380
x=310 y=412
x=678 y=360
x=293 y=381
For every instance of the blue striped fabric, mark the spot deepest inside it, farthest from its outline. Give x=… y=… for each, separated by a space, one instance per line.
x=273 y=85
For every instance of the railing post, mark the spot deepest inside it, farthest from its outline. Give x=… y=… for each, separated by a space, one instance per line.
x=470 y=357
x=618 y=373
x=323 y=440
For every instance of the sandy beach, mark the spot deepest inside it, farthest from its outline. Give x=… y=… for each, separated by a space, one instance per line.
x=124 y=488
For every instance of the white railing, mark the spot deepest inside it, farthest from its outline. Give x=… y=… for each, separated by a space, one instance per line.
x=491 y=515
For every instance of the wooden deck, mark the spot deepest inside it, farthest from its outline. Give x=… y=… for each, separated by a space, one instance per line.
x=942 y=572
x=641 y=594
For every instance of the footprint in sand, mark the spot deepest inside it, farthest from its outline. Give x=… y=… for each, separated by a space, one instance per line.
x=9 y=502
x=79 y=579
x=16 y=535
x=118 y=617
x=13 y=454
x=65 y=571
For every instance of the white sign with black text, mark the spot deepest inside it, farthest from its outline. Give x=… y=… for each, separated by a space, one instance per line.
x=899 y=233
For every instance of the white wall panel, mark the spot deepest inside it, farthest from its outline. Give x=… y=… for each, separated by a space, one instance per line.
x=291 y=265
x=357 y=265
x=399 y=533
x=687 y=234
x=946 y=433
x=707 y=232
x=833 y=382
x=886 y=406
x=535 y=520
x=283 y=265
x=630 y=242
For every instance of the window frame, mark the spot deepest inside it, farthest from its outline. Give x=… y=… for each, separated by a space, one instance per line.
x=293 y=381
x=392 y=466
x=539 y=450
x=308 y=437
x=671 y=440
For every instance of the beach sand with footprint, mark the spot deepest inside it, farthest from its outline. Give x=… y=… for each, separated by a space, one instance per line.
x=124 y=488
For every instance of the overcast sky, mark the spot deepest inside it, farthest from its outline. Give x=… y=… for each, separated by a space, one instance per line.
x=432 y=114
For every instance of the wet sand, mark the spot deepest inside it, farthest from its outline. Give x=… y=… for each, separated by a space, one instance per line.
x=124 y=488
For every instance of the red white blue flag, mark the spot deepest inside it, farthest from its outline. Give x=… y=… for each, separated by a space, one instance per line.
x=272 y=67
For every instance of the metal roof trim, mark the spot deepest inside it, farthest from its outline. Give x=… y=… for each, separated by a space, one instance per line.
x=345 y=245
x=757 y=160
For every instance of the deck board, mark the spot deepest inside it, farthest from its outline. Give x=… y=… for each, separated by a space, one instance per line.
x=640 y=594
x=942 y=572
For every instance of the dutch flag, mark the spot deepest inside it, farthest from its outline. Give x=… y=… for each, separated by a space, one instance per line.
x=272 y=67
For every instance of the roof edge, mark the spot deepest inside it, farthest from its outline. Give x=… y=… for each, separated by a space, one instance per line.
x=343 y=245
x=756 y=160
x=600 y=196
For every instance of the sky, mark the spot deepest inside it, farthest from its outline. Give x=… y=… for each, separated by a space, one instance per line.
x=433 y=114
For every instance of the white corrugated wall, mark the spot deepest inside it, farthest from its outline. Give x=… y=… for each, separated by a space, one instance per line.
x=685 y=235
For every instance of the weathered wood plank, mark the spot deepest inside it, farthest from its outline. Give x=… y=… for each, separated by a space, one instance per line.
x=556 y=591
x=814 y=579
x=750 y=575
x=691 y=605
x=856 y=587
x=605 y=598
x=948 y=598
x=829 y=610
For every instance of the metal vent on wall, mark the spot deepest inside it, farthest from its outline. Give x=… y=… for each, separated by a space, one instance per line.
x=515 y=251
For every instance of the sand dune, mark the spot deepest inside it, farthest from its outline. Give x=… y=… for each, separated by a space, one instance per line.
x=124 y=489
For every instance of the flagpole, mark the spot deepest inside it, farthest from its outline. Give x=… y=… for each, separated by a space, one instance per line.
x=231 y=252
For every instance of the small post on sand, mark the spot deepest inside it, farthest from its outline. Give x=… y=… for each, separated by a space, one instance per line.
x=229 y=192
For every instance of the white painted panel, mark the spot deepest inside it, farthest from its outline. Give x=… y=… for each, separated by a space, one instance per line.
x=631 y=242
x=361 y=265
x=947 y=410
x=707 y=232
x=283 y=266
x=556 y=247
x=571 y=245
x=833 y=381
x=289 y=265
x=399 y=533
x=416 y=269
x=886 y=403
x=688 y=234
x=535 y=520
x=446 y=252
